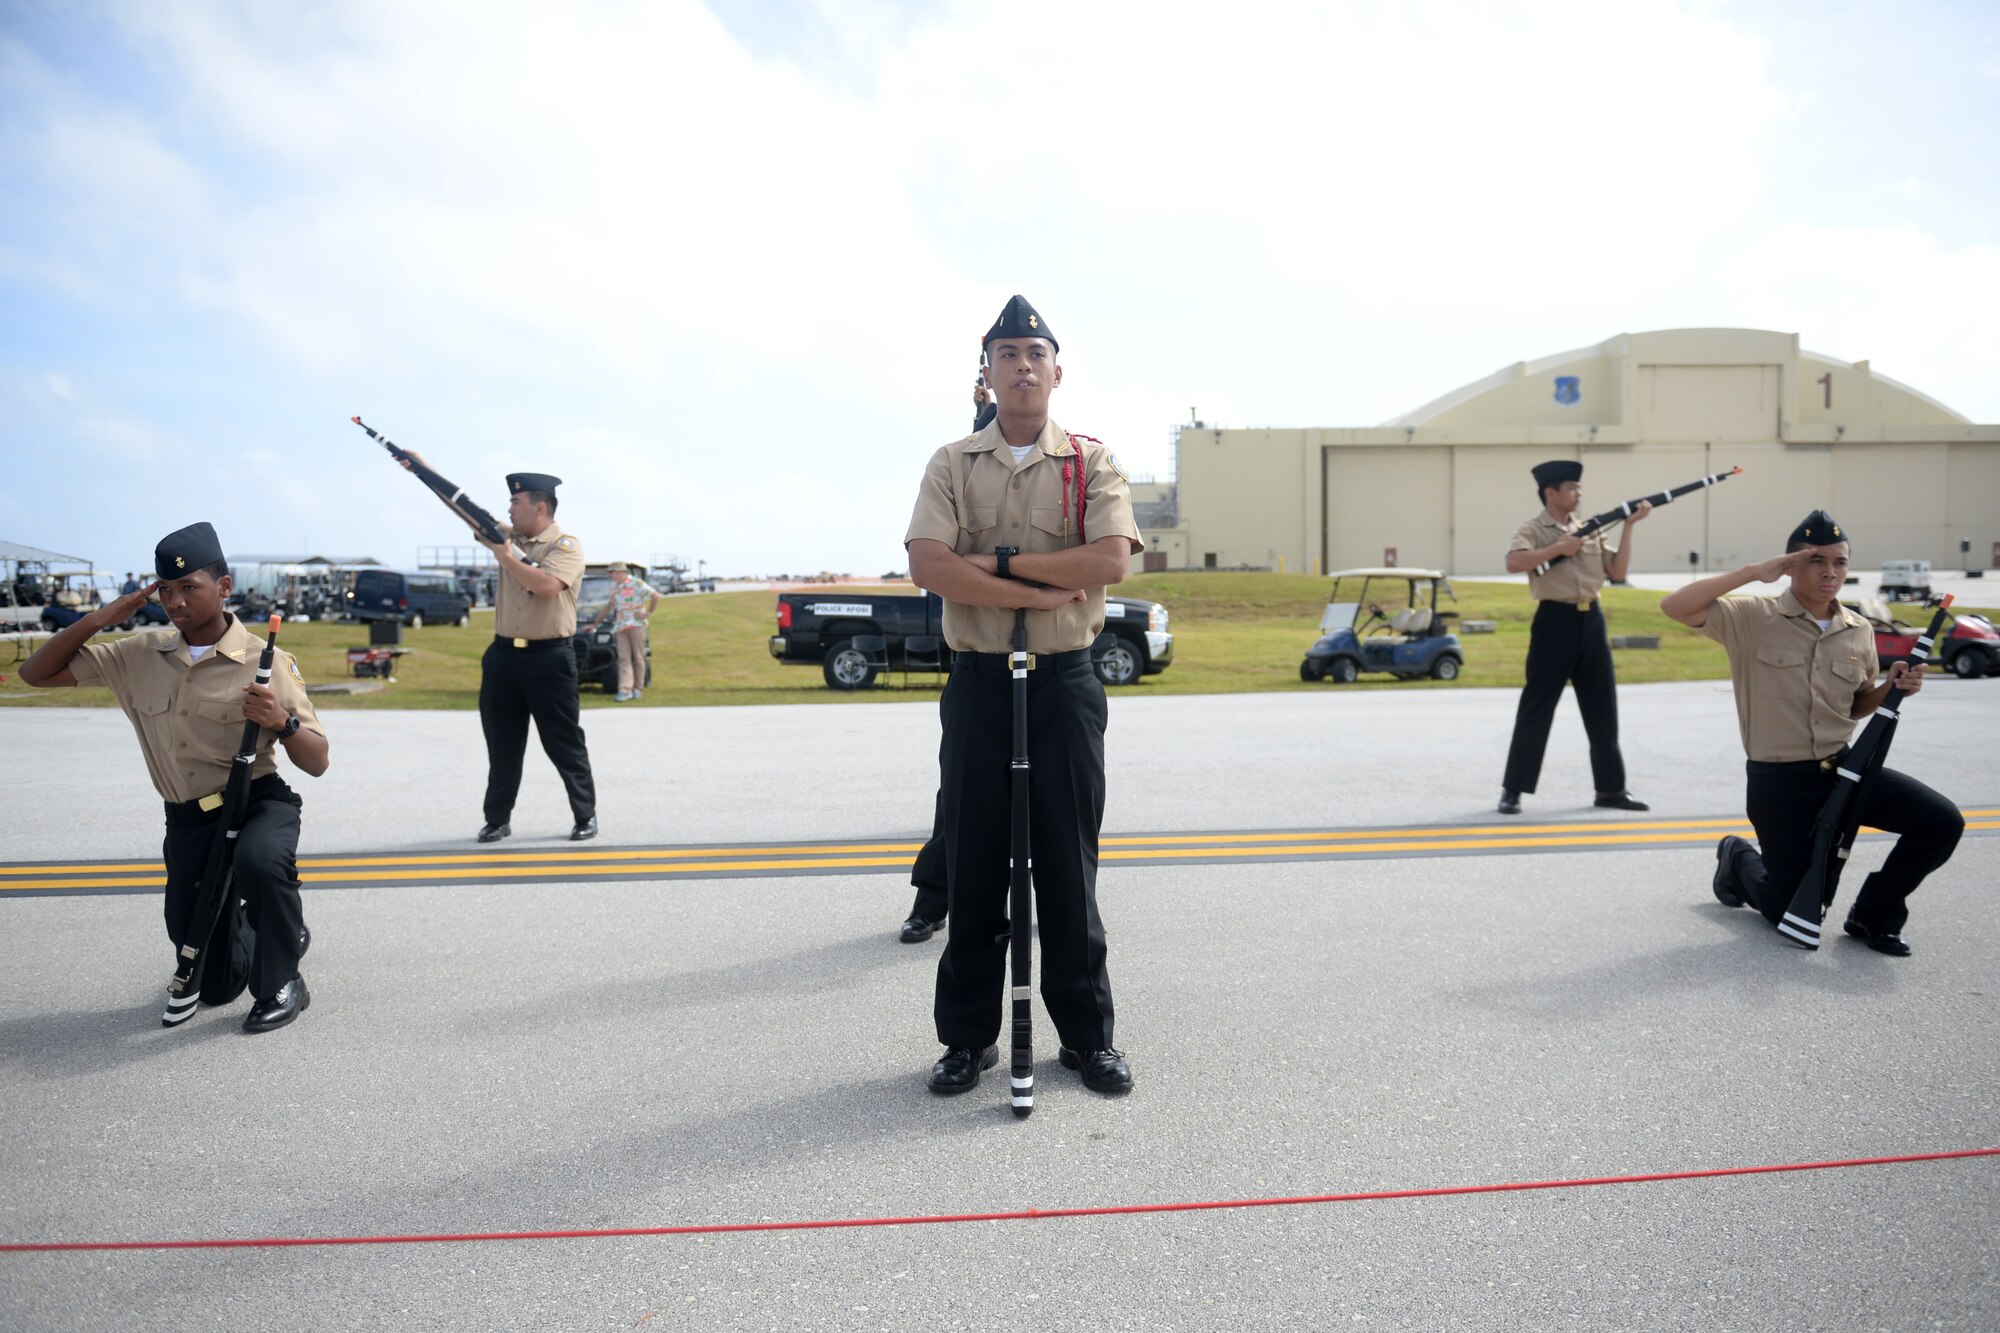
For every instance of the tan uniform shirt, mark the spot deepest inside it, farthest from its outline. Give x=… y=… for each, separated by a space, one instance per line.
x=189 y=715
x=1795 y=685
x=520 y=614
x=1576 y=579
x=974 y=498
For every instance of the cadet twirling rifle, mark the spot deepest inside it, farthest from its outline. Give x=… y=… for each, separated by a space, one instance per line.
x=475 y=518
x=218 y=877
x=1624 y=511
x=1840 y=818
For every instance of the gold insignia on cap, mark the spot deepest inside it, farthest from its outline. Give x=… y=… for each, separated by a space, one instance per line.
x=1032 y=324
x=1836 y=529
x=1808 y=532
x=180 y=562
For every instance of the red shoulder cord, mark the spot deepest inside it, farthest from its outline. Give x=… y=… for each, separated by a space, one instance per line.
x=1076 y=443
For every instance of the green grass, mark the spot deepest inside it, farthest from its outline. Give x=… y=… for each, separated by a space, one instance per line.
x=1233 y=633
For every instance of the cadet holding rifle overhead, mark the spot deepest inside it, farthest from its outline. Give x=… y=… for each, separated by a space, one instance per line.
x=1567 y=645
x=1803 y=667
x=188 y=692
x=529 y=670
x=1023 y=482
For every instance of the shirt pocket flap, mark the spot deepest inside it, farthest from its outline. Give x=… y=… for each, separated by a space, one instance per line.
x=1781 y=657
x=219 y=710
x=152 y=703
x=978 y=518
x=1848 y=671
x=1049 y=518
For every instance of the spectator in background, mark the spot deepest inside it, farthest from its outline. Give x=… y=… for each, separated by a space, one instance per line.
x=629 y=628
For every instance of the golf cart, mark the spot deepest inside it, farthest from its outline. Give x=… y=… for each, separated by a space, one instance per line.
x=1385 y=620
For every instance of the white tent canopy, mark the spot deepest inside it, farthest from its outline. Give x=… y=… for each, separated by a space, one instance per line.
x=16 y=551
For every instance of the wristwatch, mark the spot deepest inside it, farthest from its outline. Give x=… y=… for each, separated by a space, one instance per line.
x=1001 y=555
x=291 y=728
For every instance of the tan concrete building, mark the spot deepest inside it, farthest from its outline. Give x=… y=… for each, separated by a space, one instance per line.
x=1446 y=485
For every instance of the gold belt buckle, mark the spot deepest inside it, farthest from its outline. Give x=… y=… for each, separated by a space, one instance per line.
x=1584 y=606
x=1029 y=656
x=520 y=643
x=212 y=801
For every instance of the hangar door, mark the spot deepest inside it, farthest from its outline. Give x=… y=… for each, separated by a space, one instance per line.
x=1386 y=497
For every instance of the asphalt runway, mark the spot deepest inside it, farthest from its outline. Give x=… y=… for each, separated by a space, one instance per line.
x=656 y=1051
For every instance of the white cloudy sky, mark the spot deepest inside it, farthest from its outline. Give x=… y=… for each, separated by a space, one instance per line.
x=724 y=268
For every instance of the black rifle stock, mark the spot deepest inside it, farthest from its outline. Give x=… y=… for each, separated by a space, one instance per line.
x=476 y=518
x=1598 y=522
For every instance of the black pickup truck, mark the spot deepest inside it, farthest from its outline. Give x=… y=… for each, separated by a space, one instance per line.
x=855 y=636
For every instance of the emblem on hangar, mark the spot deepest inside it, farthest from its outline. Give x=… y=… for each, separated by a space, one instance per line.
x=1569 y=389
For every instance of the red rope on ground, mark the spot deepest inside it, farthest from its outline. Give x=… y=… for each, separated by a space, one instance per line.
x=1029 y=1214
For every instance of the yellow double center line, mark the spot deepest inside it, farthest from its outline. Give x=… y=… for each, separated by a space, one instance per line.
x=564 y=864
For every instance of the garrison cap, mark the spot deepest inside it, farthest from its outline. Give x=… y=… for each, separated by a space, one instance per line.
x=1817 y=529
x=532 y=481
x=1555 y=472
x=1018 y=319
x=181 y=553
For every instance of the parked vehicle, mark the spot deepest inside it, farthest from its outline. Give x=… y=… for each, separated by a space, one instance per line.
x=1906 y=580
x=1360 y=632
x=597 y=649
x=855 y=637
x=1970 y=649
x=412 y=597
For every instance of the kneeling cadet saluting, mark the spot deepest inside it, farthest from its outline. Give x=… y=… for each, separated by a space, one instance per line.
x=189 y=691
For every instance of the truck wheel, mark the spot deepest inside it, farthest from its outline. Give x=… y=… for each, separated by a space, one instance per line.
x=1967 y=663
x=1445 y=668
x=1309 y=670
x=847 y=668
x=1120 y=665
x=607 y=679
x=1345 y=670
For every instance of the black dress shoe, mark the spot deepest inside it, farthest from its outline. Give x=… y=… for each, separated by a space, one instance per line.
x=916 y=930
x=1620 y=800
x=1510 y=801
x=290 y=1001
x=585 y=831
x=494 y=832
x=959 y=1068
x=1103 y=1071
x=1725 y=871
x=1880 y=941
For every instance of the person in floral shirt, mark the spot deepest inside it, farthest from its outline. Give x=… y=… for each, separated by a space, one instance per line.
x=632 y=602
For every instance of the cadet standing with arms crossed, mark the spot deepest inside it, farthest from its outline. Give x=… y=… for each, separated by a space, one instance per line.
x=1567 y=644
x=1023 y=482
x=1803 y=667
x=188 y=692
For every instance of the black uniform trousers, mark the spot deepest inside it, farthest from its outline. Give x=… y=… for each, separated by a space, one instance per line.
x=927 y=872
x=1784 y=800
x=256 y=939
x=537 y=682
x=1567 y=647
x=1066 y=717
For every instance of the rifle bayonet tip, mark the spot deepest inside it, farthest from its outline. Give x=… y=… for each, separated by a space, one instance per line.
x=276 y=620
x=1945 y=602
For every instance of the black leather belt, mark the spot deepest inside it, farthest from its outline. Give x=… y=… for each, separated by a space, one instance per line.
x=1564 y=601
x=1003 y=662
x=530 y=645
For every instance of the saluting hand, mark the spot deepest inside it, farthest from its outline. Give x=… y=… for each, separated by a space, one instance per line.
x=119 y=611
x=262 y=707
x=1782 y=566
